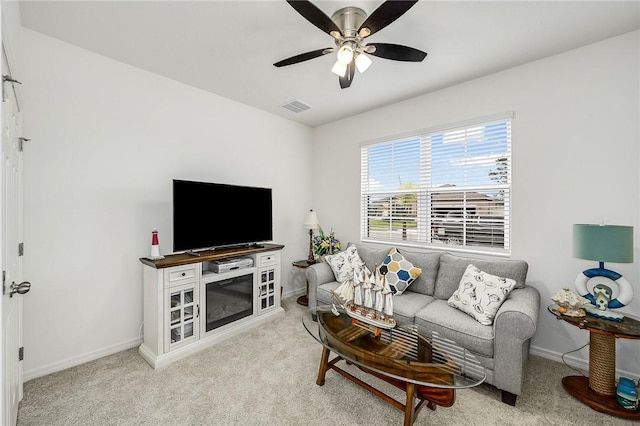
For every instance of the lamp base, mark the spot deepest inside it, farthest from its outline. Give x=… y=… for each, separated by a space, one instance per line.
x=310 y=257
x=601 y=293
x=606 y=314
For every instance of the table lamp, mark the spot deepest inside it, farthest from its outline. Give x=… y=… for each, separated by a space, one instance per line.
x=311 y=223
x=603 y=243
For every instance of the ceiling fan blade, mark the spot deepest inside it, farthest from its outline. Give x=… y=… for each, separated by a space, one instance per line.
x=397 y=52
x=303 y=57
x=314 y=15
x=346 y=81
x=385 y=14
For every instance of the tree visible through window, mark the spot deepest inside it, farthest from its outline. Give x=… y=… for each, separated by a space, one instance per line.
x=448 y=188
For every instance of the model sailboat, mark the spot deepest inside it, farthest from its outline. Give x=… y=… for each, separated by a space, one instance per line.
x=367 y=297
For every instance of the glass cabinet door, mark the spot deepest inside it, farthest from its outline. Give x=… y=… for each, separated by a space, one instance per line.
x=182 y=315
x=267 y=289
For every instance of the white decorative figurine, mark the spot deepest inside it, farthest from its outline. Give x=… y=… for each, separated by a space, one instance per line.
x=570 y=303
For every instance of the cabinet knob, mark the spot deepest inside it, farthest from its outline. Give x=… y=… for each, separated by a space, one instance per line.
x=184 y=273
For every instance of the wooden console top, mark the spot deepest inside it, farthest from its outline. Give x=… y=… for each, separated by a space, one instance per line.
x=207 y=255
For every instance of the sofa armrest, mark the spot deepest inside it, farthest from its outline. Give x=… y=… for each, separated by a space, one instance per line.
x=318 y=274
x=514 y=326
x=521 y=309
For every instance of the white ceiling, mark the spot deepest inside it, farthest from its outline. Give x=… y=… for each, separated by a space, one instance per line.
x=229 y=47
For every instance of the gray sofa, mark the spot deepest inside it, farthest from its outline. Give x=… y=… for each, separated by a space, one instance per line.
x=502 y=347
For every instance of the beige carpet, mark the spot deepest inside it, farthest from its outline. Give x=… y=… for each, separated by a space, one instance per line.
x=267 y=377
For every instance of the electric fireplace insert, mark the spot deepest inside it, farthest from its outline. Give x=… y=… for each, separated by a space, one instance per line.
x=229 y=300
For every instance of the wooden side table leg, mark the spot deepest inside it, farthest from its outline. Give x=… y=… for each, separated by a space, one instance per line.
x=602 y=364
x=304 y=299
x=324 y=366
x=598 y=390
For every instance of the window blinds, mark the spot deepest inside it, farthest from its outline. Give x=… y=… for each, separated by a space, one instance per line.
x=450 y=187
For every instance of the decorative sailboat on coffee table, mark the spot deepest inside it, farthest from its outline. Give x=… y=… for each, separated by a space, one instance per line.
x=367 y=297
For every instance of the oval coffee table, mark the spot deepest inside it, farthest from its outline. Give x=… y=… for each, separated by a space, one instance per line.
x=425 y=365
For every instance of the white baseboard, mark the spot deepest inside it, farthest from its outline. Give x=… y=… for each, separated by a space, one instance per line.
x=80 y=359
x=294 y=293
x=573 y=361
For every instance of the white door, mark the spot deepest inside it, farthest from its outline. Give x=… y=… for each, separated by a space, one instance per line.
x=10 y=253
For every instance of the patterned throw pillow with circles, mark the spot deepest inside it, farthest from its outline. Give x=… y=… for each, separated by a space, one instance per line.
x=481 y=294
x=343 y=263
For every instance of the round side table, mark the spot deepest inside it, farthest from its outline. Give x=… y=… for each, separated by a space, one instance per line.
x=303 y=264
x=598 y=391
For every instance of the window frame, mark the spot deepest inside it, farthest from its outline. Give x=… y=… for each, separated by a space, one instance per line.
x=424 y=217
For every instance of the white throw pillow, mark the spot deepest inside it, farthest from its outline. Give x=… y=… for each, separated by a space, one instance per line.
x=343 y=263
x=481 y=294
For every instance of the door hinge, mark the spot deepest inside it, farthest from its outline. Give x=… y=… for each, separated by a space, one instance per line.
x=7 y=78
x=21 y=249
x=20 y=353
x=10 y=79
x=21 y=142
x=4 y=282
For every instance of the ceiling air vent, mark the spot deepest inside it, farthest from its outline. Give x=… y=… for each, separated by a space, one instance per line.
x=296 y=106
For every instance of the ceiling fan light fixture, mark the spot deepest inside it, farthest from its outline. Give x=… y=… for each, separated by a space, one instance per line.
x=339 y=68
x=362 y=62
x=345 y=54
x=349 y=27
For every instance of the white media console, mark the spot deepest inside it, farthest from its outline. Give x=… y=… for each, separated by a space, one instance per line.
x=188 y=307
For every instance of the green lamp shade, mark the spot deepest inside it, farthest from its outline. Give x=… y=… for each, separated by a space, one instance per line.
x=603 y=243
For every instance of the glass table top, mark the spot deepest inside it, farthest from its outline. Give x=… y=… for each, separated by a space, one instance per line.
x=628 y=327
x=405 y=352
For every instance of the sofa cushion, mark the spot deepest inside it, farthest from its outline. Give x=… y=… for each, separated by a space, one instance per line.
x=343 y=263
x=481 y=294
x=453 y=267
x=429 y=263
x=398 y=271
x=453 y=324
x=407 y=305
x=372 y=257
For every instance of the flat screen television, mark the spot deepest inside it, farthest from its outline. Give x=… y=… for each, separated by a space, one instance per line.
x=210 y=215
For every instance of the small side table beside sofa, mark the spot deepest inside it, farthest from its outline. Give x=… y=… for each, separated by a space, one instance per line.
x=598 y=391
x=303 y=264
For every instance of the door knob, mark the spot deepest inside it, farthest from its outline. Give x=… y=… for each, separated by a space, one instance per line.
x=21 y=288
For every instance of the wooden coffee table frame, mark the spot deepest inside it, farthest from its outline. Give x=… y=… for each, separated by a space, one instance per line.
x=410 y=408
x=431 y=382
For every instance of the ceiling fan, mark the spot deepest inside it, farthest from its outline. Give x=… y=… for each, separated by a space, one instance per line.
x=349 y=27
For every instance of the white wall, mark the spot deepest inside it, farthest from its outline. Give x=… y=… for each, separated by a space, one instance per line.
x=106 y=141
x=11 y=30
x=576 y=159
x=108 y=138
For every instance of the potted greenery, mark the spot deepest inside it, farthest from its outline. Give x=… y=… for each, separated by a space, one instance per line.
x=324 y=245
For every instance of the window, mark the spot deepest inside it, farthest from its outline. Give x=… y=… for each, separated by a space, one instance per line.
x=448 y=188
